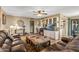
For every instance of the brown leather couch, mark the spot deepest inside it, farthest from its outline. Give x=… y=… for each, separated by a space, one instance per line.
x=73 y=45
x=10 y=44
x=60 y=46
x=18 y=45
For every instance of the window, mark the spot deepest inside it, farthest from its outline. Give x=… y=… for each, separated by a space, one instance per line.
x=50 y=21
x=54 y=21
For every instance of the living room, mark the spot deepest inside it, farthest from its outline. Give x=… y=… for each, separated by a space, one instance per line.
x=38 y=28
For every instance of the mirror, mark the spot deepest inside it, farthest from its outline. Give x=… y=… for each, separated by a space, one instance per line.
x=20 y=23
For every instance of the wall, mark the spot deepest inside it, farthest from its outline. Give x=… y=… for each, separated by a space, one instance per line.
x=63 y=25
x=69 y=27
x=2 y=26
x=0 y=17
x=35 y=25
x=12 y=20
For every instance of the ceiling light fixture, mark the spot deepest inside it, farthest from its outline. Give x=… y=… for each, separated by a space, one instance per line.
x=40 y=13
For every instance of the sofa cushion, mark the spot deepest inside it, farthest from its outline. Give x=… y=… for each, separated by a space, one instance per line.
x=15 y=39
x=1 y=50
x=3 y=34
x=17 y=42
x=74 y=44
x=67 y=50
x=6 y=46
x=1 y=41
x=8 y=41
x=18 y=48
x=66 y=40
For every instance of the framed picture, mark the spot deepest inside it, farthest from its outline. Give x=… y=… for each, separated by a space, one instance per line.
x=3 y=19
x=20 y=23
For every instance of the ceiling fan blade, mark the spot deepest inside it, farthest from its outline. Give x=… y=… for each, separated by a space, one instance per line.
x=41 y=12
x=35 y=14
x=34 y=11
x=44 y=13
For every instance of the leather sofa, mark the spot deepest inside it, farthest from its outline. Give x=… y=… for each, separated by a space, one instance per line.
x=62 y=45
x=18 y=45
x=73 y=45
x=10 y=44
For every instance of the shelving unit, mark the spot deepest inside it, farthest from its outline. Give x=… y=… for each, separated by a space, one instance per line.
x=60 y=23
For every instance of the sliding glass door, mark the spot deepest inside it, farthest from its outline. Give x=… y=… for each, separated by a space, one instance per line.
x=74 y=27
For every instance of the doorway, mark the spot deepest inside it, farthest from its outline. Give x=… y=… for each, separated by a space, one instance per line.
x=31 y=26
x=74 y=27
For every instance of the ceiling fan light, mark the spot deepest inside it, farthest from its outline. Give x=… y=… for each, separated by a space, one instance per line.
x=39 y=15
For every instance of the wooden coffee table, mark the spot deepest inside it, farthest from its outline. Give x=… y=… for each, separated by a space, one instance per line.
x=38 y=42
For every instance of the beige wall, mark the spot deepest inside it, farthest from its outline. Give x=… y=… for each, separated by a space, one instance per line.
x=35 y=25
x=12 y=20
x=63 y=25
x=2 y=26
x=0 y=18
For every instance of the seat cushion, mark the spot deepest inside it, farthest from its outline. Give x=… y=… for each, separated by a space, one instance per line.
x=17 y=42
x=6 y=47
x=18 y=48
x=15 y=39
x=3 y=34
x=8 y=41
x=1 y=41
x=4 y=50
x=66 y=40
x=1 y=50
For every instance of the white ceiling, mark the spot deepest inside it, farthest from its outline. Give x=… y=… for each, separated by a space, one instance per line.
x=27 y=11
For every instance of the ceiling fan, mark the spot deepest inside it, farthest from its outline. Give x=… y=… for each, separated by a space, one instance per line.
x=40 y=12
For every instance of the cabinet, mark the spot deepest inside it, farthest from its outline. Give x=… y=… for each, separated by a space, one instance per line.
x=52 y=34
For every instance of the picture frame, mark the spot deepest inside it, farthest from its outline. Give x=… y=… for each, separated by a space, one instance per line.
x=3 y=19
